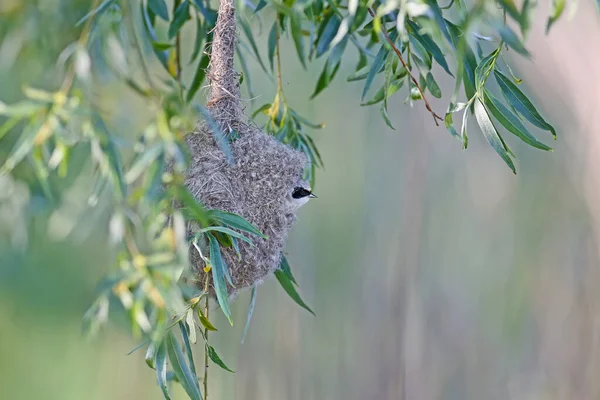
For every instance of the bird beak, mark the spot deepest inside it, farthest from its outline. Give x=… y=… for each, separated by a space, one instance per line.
x=312 y=196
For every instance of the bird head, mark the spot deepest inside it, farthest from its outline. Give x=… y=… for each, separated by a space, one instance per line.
x=300 y=194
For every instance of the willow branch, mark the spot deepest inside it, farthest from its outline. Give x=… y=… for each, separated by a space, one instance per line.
x=399 y=54
x=205 y=383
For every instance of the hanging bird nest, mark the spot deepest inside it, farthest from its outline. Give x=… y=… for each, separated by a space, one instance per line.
x=255 y=183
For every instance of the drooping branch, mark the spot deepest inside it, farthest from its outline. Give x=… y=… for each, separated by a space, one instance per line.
x=416 y=83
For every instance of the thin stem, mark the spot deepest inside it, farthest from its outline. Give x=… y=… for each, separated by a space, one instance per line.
x=206 y=353
x=206 y=341
x=399 y=54
x=279 y=82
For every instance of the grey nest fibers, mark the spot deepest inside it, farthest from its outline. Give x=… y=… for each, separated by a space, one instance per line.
x=258 y=182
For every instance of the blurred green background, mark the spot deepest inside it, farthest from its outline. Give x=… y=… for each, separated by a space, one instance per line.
x=434 y=273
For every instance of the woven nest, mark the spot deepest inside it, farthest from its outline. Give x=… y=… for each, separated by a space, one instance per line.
x=256 y=185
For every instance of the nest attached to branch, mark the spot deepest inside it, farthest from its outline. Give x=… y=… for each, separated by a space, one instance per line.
x=256 y=185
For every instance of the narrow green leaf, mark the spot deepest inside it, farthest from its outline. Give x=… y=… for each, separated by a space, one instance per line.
x=449 y=122
x=439 y=19
x=312 y=145
x=216 y=131
x=322 y=82
x=510 y=37
x=386 y=118
x=362 y=61
x=139 y=346
x=429 y=45
x=272 y=44
x=521 y=103
x=463 y=129
x=318 y=26
x=384 y=93
x=303 y=145
x=8 y=125
x=261 y=4
x=328 y=34
x=296 y=30
x=150 y=357
x=491 y=134
x=198 y=77
x=306 y=121
x=484 y=68
x=204 y=321
x=182 y=370
x=21 y=149
x=236 y=222
x=250 y=36
x=250 y=312
x=331 y=67
x=161 y=369
x=512 y=10
x=236 y=246
x=227 y=231
x=159 y=7
x=377 y=66
x=115 y=163
x=218 y=274
x=358 y=75
x=511 y=122
x=223 y=239
x=335 y=56
x=96 y=12
x=194 y=209
x=20 y=109
x=190 y=322
x=467 y=60
x=40 y=170
x=359 y=18
x=161 y=46
x=433 y=87
x=261 y=109
x=182 y=14
x=186 y=341
x=212 y=353
x=287 y=270
x=153 y=182
x=161 y=55
x=142 y=163
x=210 y=16
x=527 y=16
x=289 y=288
x=198 y=41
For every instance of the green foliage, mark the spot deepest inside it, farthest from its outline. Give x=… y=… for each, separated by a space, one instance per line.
x=287 y=282
x=402 y=47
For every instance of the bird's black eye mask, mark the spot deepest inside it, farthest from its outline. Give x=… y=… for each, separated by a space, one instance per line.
x=300 y=192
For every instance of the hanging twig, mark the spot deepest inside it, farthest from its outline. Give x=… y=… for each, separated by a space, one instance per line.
x=399 y=54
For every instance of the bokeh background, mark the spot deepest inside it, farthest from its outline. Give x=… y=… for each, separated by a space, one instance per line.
x=434 y=273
